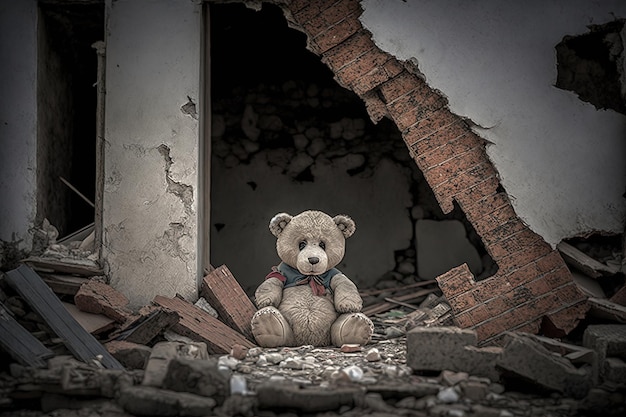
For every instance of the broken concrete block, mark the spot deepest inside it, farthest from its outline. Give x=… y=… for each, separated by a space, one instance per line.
x=151 y=401
x=201 y=377
x=163 y=353
x=438 y=348
x=131 y=355
x=606 y=339
x=526 y=359
x=99 y=298
x=481 y=361
x=614 y=369
x=307 y=400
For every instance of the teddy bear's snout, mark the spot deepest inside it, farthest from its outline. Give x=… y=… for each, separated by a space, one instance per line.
x=313 y=260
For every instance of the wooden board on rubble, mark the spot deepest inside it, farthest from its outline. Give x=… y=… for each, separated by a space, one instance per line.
x=221 y=289
x=147 y=326
x=40 y=297
x=82 y=267
x=64 y=284
x=20 y=343
x=93 y=323
x=200 y=326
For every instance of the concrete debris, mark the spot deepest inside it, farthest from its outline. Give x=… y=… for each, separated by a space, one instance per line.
x=527 y=359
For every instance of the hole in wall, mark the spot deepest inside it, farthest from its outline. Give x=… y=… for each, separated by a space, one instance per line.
x=281 y=122
x=66 y=108
x=591 y=65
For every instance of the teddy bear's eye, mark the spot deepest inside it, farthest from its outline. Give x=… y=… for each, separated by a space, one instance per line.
x=302 y=244
x=323 y=245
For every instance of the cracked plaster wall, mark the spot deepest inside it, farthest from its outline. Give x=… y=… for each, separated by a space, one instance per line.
x=561 y=160
x=18 y=125
x=150 y=212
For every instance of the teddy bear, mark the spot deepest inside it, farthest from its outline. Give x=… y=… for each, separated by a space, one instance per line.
x=305 y=300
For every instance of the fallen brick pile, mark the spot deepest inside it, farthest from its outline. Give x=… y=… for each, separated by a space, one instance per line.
x=177 y=358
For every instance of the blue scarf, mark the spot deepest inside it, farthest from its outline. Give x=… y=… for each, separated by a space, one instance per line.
x=291 y=277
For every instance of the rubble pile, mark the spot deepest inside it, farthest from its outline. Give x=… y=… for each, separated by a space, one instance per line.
x=80 y=351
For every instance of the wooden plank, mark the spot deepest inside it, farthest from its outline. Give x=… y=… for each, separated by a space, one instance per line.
x=221 y=289
x=385 y=306
x=63 y=284
x=93 y=323
x=19 y=343
x=40 y=297
x=146 y=327
x=82 y=267
x=583 y=262
x=199 y=325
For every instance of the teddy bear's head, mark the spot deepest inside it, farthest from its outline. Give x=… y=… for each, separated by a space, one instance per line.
x=312 y=241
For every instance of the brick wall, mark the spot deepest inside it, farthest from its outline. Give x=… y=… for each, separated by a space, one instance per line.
x=532 y=285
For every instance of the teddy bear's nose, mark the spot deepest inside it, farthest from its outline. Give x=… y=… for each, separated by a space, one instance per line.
x=313 y=260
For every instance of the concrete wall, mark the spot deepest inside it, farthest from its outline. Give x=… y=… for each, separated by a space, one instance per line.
x=18 y=123
x=560 y=160
x=152 y=136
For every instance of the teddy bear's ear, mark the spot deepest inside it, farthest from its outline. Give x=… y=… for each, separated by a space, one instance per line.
x=345 y=224
x=279 y=222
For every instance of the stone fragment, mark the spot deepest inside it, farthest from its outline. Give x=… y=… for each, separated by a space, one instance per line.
x=372 y=355
x=99 y=298
x=525 y=358
x=448 y=395
x=239 y=352
x=309 y=400
x=131 y=355
x=473 y=390
x=481 y=361
x=164 y=352
x=197 y=376
x=350 y=348
x=453 y=378
x=438 y=348
x=606 y=339
x=614 y=369
x=151 y=401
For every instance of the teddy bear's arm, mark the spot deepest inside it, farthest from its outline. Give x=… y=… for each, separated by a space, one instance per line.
x=347 y=298
x=269 y=293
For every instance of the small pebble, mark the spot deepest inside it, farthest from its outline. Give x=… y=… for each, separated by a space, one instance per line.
x=372 y=355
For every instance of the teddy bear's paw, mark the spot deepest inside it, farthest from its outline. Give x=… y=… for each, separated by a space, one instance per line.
x=348 y=305
x=270 y=329
x=352 y=328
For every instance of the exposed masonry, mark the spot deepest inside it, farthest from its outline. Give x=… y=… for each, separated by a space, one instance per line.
x=533 y=287
x=180 y=190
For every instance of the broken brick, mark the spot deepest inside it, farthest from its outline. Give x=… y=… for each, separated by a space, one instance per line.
x=99 y=298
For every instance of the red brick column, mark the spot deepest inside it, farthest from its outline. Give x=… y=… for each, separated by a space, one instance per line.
x=532 y=282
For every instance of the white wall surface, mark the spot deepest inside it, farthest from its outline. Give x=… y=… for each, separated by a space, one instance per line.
x=18 y=121
x=153 y=64
x=561 y=161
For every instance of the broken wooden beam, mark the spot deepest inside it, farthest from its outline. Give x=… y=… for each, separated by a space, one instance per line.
x=221 y=289
x=20 y=343
x=147 y=326
x=40 y=297
x=583 y=262
x=385 y=306
x=200 y=326
x=82 y=267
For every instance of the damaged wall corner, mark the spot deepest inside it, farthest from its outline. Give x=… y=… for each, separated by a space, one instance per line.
x=532 y=281
x=150 y=197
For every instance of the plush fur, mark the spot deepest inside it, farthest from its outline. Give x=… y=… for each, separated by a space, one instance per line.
x=312 y=243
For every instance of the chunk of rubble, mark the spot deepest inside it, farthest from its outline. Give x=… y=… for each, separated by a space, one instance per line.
x=609 y=341
x=307 y=400
x=450 y=348
x=526 y=359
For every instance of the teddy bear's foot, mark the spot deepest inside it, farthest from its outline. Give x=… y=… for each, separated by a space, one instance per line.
x=270 y=329
x=351 y=328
